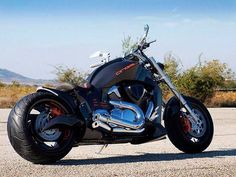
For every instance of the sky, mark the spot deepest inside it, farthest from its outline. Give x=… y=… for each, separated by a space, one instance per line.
x=37 y=36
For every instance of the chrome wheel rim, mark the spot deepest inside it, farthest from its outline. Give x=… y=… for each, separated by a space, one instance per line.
x=198 y=129
x=48 y=135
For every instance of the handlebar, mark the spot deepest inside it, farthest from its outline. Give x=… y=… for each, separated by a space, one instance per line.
x=146 y=45
x=96 y=65
x=143 y=44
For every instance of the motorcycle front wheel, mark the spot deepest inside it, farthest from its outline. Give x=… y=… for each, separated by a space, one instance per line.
x=25 y=129
x=186 y=136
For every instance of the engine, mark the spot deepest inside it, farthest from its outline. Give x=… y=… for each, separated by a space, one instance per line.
x=127 y=114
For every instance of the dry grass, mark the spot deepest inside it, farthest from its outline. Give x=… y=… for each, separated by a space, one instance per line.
x=10 y=94
x=219 y=99
x=222 y=99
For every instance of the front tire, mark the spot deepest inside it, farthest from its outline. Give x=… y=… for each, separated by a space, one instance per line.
x=180 y=130
x=26 y=136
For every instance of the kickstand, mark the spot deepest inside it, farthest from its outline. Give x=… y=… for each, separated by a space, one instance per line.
x=103 y=147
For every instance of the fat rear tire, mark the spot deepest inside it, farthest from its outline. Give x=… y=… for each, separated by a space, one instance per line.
x=177 y=136
x=23 y=139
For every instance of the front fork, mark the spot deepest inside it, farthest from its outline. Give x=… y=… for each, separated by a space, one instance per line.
x=193 y=118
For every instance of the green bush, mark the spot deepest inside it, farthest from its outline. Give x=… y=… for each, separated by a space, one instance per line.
x=2 y=84
x=230 y=84
x=15 y=84
x=199 y=81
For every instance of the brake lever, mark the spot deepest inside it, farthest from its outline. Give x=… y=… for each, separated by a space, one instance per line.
x=146 y=45
x=152 y=42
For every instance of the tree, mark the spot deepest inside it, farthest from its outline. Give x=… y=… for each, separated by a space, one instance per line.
x=128 y=45
x=70 y=75
x=172 y=67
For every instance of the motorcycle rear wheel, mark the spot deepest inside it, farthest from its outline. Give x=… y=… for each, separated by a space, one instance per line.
x=180 y=130
x=25 y=123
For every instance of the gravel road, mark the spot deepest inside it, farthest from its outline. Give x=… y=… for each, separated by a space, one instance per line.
x=158 y=158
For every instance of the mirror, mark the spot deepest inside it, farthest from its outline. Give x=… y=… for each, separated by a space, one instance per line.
x=146 y=29
x=96 y=54
x=143 y=39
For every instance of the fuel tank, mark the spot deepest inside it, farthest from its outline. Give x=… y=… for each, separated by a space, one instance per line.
x=118 y=70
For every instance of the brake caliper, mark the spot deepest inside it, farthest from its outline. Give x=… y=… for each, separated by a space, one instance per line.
x=55 y=110
x=185 y=123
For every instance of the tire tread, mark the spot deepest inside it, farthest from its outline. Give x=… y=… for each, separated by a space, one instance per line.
x=19 y=137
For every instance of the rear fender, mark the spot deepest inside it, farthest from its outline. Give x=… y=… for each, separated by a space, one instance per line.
x=78 y=105
x=64 y=96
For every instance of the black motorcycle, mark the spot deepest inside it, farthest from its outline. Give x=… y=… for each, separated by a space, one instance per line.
x=120 y=103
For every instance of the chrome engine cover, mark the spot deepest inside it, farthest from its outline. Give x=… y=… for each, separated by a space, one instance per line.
x=126 y=117
x=126 y=114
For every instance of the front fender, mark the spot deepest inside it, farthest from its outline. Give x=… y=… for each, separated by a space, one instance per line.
x=172 y=108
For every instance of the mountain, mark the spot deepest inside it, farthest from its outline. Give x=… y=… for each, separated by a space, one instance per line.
x=7 y=77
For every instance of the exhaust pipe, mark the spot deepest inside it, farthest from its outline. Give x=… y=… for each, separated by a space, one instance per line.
x=100 y=124
x=122 y=130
